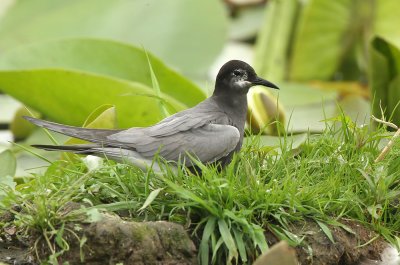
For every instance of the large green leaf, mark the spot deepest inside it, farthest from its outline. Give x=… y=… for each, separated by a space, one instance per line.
x=322 y=38
x=387 y=20
x=70 y=96
x=306 y=107
x=332 y=35
x=269 y=143
x=8 y=164
x=385 y=78
x=379 y=75
x=357 y=108
x=310 y=117
x=186 y=34
x=274 y=39
x=103 y=57
x=298 y=94
x=394 y=99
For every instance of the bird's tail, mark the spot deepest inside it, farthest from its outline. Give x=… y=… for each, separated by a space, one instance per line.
x=117 y=154
x=92 y=135
x=84 y=149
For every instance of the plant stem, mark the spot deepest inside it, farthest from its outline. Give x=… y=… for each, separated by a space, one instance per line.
x=387 y=148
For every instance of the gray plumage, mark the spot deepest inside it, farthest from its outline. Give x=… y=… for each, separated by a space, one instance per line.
x=210 y=132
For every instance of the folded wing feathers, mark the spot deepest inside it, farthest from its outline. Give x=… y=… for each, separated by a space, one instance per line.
x=92 y=135
x=209 y=143
x=188 y=132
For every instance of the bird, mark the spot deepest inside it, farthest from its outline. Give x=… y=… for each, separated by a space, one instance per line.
x=210 y=132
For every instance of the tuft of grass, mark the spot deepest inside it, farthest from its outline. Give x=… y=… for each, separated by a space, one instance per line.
x=328 y=177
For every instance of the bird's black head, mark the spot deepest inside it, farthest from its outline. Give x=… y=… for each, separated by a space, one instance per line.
x=236 y=77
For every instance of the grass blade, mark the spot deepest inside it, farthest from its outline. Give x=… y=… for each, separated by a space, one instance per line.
x=326 y=230
x=216 y=248
x=204 y=246
x=32 y=152
x=112 y=207
x=191 y=196
x=150 y=198
x=259 y=238
x=156 y=87
x=228 y=239
x=240 y=244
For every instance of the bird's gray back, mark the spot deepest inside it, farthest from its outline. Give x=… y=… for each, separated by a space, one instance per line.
x=205 y=132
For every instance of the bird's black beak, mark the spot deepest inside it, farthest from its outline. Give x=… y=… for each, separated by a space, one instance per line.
x=263 y=82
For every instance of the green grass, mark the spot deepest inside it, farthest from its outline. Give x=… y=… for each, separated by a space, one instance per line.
x=329 y=176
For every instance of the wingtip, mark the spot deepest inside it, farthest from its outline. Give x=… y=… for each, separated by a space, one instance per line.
x=29 y=118
x=46 y=147
x=33 y=120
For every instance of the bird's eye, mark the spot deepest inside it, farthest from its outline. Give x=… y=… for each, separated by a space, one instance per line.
x=237 y=73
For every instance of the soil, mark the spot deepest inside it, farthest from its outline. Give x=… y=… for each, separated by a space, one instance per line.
x=113 y=240
x=317 y=248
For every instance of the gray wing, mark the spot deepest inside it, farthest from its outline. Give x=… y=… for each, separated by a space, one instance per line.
x=88 y=134
x=207 y=143
x=202 y=132
x=204 y=113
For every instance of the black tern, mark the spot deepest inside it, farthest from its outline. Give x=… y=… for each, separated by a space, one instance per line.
x=211 y=131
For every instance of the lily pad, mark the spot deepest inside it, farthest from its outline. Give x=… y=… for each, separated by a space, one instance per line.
x=172 y=29
x=70 y=96
x=102 y=57
x=274 y=39
x=326 y=23
x=306 y=107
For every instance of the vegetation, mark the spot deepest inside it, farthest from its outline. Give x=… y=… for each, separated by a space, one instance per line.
x=228 y=211
x=131 y=64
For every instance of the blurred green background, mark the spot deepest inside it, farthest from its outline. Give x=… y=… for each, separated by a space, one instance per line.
x=127 y=63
